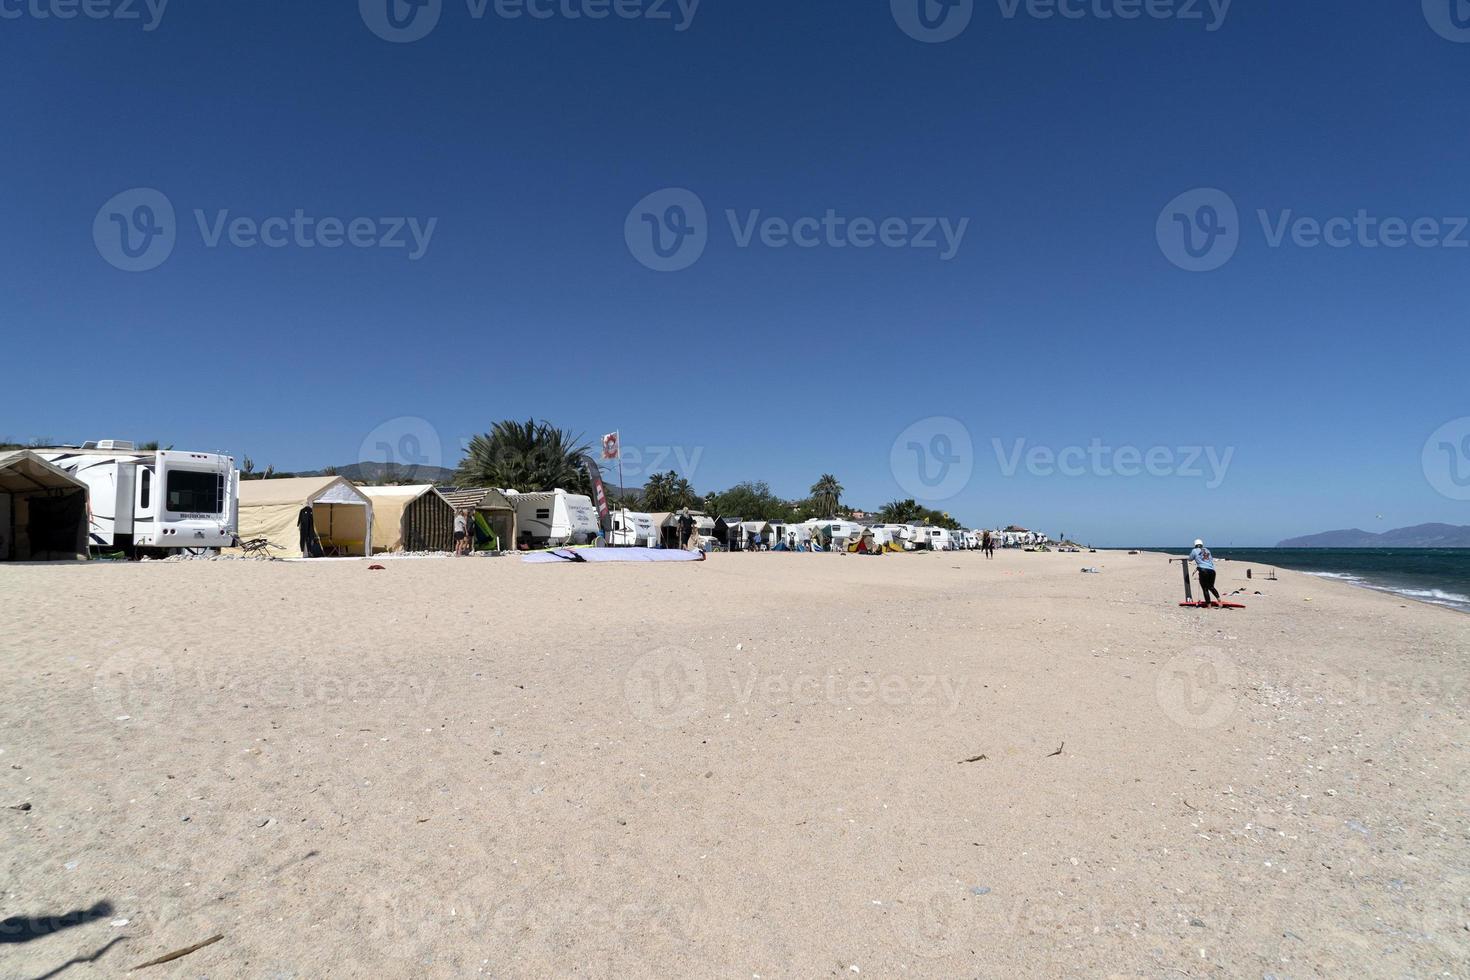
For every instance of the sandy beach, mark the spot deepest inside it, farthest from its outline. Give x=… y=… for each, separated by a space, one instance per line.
x=751 y=767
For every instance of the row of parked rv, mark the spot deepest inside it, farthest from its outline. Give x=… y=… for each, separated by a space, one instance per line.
x=110 y=496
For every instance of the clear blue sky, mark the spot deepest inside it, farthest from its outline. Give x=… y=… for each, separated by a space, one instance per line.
x=1060 y=319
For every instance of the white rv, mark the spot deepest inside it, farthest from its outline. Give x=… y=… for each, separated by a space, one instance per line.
x=553 y=518
x=633 y=530
x=899 y=535
x=145 y=502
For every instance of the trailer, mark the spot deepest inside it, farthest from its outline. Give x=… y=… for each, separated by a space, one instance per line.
x=148 y=503
x=553 y=518
x=633 y=530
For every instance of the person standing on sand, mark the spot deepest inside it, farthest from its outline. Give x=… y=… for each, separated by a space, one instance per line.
x=987 y=545
x=1205 y=562
x=461 y=533
x=686 y=528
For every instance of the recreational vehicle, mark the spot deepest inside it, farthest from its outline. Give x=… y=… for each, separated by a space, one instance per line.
x=149 y=502
x=553 y=518
x=633 y=530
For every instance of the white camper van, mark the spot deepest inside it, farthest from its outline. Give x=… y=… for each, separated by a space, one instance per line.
x=145 y=502
x=554 y=518
x=633 y=530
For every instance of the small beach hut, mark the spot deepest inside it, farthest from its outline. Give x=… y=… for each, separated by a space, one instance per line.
x=343 y=514
x=43 y=510
x=413 y=518
x=489 y=510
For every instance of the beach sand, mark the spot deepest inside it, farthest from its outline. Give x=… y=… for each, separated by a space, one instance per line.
x=748 y=767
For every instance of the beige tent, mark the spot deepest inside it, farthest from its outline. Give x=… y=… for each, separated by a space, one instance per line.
x=43 y=510
x=413 y=518
x=343 y=513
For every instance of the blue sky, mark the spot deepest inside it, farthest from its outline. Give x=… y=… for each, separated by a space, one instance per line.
x=1061 y=320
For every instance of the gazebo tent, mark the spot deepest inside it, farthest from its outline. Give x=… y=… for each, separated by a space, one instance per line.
x=43 y=510
x=491 y=506
x=411 y=519
x=343 y=513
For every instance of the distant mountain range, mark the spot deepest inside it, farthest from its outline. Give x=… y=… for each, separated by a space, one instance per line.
x=1419 y=536
x=376 y=473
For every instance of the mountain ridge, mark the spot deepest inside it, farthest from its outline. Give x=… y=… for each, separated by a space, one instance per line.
x=1418 y=536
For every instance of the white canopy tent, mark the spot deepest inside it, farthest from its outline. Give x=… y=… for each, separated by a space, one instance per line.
x=343 y=514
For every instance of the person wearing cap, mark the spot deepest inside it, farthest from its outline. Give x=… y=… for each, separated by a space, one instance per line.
x=1205 y=562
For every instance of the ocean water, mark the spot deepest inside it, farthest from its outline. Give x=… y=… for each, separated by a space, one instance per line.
x=1436 y=575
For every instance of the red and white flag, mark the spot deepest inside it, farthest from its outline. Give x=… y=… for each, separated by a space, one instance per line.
x=611 y=448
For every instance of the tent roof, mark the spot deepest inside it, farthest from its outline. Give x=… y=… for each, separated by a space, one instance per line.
x=22 y=470
x=478 y=499
x=406 y=494
x=297 y=490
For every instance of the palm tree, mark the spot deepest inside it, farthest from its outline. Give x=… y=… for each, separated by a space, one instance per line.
x=827 y=495
x=528 y=456
x=902 y=512
x=667 y=492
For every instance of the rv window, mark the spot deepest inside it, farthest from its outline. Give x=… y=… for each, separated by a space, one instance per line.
x=143 y=492
x=193 y=492
x=543 y=515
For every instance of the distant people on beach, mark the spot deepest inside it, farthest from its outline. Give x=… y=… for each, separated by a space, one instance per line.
x=1205 y=563
x=987 y=545
x=686 y=528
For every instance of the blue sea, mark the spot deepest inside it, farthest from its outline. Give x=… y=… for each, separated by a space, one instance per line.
x=1437 y=575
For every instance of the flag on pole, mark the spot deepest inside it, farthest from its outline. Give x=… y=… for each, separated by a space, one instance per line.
x=611 y=447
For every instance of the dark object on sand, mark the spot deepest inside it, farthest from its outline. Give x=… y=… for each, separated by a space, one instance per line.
x=978 y=758
x=166 y=957
x=1058 y=751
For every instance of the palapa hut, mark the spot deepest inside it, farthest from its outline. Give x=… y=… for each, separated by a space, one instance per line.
x=492 y=517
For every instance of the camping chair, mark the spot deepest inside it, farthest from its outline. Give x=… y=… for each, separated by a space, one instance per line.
x=259 y=548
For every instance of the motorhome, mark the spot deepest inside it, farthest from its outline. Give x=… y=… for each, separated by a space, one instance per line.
x=553 y=518
x=147 y=502
x=633 y=530
x=898 y=535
